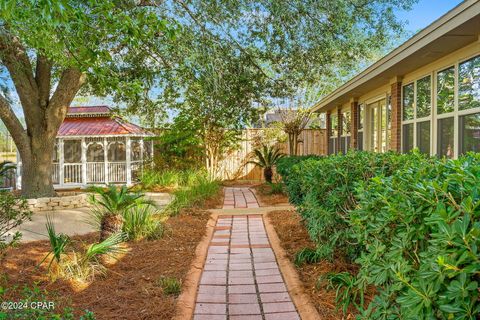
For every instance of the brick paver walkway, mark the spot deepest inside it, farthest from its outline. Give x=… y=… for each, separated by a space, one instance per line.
x=241 y=197
x=241 y=279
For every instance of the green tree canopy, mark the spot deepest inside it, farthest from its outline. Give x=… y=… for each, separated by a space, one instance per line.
x=140 y=50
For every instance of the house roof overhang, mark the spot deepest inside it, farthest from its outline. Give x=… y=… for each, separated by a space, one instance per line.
x=454 y=30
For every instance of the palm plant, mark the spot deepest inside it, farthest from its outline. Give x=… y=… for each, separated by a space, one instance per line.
x=109 y=206
x=266 y=158
x=58 y=242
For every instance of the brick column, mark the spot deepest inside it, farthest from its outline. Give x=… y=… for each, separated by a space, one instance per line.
x=396 y=93
x=328 y=128
x=339 y=128
x=354 y=125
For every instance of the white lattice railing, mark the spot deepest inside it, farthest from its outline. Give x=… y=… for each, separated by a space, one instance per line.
x=72 y=173
x=117 y=172
x=95 y=172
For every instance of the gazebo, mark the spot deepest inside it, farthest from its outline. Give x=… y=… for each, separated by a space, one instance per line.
x=94 y=147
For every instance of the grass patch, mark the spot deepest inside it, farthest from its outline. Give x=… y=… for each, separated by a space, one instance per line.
x=193 y=195
x=170 y=285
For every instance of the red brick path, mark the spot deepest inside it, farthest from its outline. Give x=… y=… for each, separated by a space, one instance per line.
x=239 y=198
x=241 y=278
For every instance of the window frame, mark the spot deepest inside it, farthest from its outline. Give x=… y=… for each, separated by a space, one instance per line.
x=416 y=120
x=456 y=113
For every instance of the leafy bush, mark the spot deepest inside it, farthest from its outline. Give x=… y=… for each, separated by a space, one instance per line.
x=13 y=211
x=323 y=189
x=419 y=230
x=140 y=222
x=411 y=222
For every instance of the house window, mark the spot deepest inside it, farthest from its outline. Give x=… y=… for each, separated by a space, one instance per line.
x=332 y=142
x=417 y=123
x=408 y=99
x=445 y=137
x=446 y=91
x=469 y=84
x=361 y=119
x=346 y=132
x=423 y=136
x=470 y=133
x=424 y=97
x=407 y=137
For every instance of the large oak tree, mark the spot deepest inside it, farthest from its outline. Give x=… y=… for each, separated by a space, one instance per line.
x=54 y=49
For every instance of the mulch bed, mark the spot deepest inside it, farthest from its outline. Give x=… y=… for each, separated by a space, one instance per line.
x=130 y=289
x=294 y=237
x=262 y=191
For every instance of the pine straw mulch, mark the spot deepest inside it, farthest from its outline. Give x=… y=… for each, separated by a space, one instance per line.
x=294 y=237
x=262 y=192
x=130 y=289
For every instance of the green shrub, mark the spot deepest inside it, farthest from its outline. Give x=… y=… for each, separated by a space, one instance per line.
x=140 y=222
x=13 y=211
x=419 y=230
x=323 y=190
x=195 y=193
x=170 y=179
x=276 y=188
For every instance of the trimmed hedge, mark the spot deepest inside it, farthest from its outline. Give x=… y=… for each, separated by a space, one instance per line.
x=410 y=222
x=323 y=190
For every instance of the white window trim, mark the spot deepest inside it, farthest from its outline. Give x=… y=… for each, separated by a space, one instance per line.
x=435 y=116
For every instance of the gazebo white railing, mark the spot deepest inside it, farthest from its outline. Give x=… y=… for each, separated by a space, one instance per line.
x=80 y=161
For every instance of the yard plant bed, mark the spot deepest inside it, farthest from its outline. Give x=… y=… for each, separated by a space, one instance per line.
x=131 y=289
x=265 y=197
x=294 y=237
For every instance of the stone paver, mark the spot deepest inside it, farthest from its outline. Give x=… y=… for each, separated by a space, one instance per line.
x=241 y=278
x=239 y=197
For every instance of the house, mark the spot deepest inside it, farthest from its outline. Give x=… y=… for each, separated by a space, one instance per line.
x=425 y=94
x=95 y=147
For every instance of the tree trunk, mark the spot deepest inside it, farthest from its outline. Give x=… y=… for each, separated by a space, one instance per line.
x=268 y=174
x=111 y=224
x=37 y=167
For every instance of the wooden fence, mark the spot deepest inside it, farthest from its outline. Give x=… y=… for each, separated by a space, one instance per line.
x=235 y=166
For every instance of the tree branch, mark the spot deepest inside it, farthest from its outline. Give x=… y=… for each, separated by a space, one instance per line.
x=43 y=78
x=13 y=124
x=70 y=82
x=15 y=58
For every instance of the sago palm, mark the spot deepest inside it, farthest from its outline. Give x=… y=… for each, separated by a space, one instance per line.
x=109 y=206
x=266 y=158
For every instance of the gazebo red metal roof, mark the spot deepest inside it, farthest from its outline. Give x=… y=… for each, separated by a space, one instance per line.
x=96 y=121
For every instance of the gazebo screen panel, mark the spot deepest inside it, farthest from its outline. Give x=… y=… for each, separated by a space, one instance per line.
x=117 y=152
x=95 y=152
x=147 y=149
x=72 y=151
x=136 y=150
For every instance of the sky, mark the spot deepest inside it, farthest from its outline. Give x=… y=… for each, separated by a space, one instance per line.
x=425 y=12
